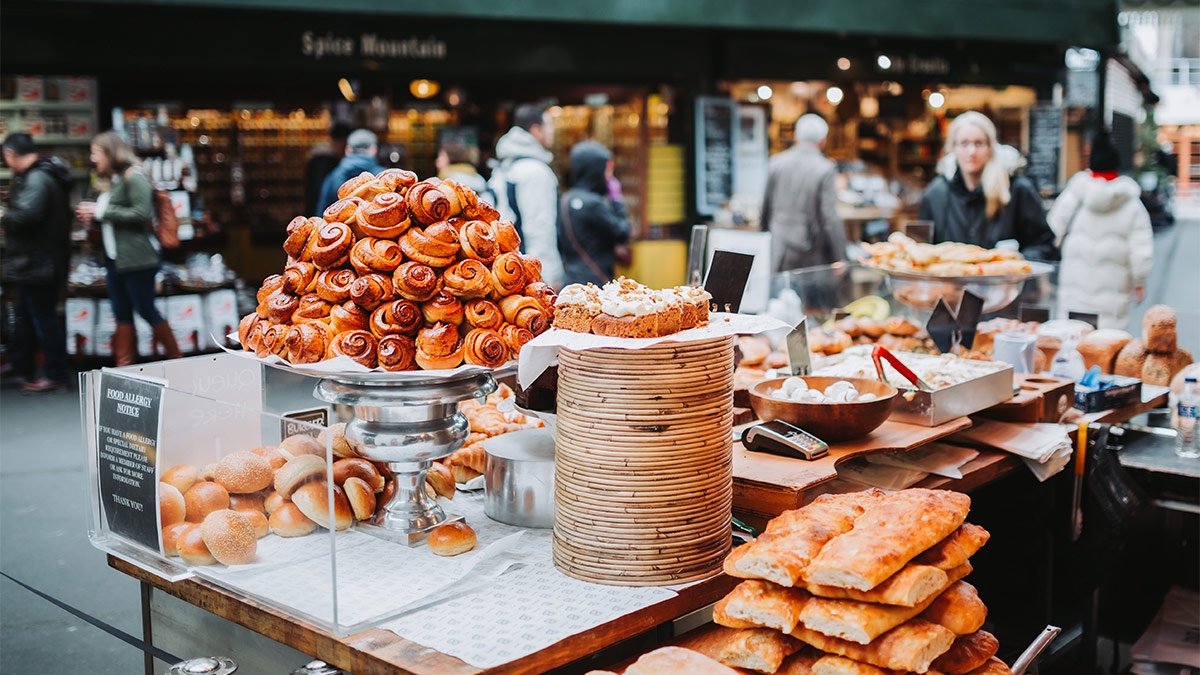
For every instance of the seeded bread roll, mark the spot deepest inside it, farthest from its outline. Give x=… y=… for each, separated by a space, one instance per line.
x=313 y=501
x=203 y=498
x=289 y=521
x=449 y=539
x=243 y=472
x=171 y=506
x=1158 y=329
x=182 y=476
x=230 y=537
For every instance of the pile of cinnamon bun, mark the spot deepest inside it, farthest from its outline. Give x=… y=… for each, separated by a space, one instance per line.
x=401 y=274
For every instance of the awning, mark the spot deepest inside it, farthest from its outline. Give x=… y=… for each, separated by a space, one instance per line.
x=1090 y=23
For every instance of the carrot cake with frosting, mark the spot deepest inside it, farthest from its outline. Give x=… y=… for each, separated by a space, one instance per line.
x=625 y=308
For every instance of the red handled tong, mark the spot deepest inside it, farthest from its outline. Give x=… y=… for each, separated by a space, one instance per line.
x=881 y=352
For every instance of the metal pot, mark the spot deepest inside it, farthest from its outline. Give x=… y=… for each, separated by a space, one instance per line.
x=519 y=478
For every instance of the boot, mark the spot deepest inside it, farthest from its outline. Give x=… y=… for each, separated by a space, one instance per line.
x=165 y=338
x=124 y=344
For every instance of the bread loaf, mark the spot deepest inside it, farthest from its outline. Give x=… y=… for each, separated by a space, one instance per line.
x=1100 y=348
x=1158 y=329
x=1160 y=368
x=1130 y=359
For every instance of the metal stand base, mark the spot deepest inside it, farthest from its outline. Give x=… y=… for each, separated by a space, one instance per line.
x=407 y=423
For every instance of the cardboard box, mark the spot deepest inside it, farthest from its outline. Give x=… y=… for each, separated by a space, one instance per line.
x=1120 y=392
x=81 y=326
x=186 y=315
x=79 y=126
x=30 y=89
x=105 y=321
x=103 y=342
x=222 y=316
x=145 y=337
x=77 y=90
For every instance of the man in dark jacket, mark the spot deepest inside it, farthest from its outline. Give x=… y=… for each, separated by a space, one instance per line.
x=361 y=148
x=321 y=162
x=592 y=219
x=37 y=230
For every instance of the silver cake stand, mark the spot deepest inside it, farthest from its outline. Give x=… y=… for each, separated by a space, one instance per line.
x=406 y=420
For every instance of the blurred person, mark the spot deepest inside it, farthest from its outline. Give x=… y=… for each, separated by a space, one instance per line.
x=321 y=161
x=37 y=231
x=526 y=188
x=131 y=249
x=1106 y=239
x=975 y=201
x=454 y=163
x=800 y=205
x=361 y=149
x=593 y=225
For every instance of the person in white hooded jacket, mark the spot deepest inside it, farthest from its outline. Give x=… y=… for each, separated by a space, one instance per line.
x=1107 y=243
x=526 y=188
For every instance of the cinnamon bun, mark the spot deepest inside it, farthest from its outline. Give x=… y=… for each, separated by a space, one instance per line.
x=416 y=281
x=272 y=342
x=347 y=189
x=281 y=306
x=331 y=248
x=384 y=217
x=482 y=211
x=483 y=347
x=398 y=317
x=439 y=347
x=342 y=211
x=436 y=245
x=461 y=197
x=524 y=312
x=483 y=314
x=375 y=255
x=334 y=285
x=398 y=180
x=300 y=278
x=397 y=352
x=348 y=316
x=443 y=307
x=299 y=234
x=533 y=269
x=308 y=342
x=468 y=279
x=427 y=203
x=478 y=241
x=514 y=338
x=508 y=274
x=312 y=308
x=248 y=326
x=372 y=290
x=507 y=239
x=270 y=285
x=543 y=293
x=357 y=344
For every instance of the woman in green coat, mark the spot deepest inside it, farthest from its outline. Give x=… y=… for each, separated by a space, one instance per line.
x=124 y=213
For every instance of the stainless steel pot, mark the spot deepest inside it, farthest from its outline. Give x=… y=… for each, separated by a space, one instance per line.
x=519 y=478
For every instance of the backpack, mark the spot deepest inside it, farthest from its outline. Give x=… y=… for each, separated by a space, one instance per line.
x=510 y=194
x=166 y=223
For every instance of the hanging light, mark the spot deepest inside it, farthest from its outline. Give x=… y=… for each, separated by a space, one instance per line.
x=765 y=92
x=937 y=100
x=834 y=95
x=884 y=62
x=843 y=63
x=424 y=88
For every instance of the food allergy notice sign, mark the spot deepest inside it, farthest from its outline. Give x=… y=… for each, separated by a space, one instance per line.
x=128 y=425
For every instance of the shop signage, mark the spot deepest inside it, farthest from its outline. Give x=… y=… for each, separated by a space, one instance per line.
x=128 y=427
x=371 y=46
x=918 y=65
x=300 y=422
x=716 y=147
x=1045 y=146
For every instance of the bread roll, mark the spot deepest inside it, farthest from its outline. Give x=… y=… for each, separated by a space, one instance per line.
x=1160 y=368
x=250 y=502
x=171 y=506
x=1100 y=348
x=273 y=501
x=450 y=539
x=441 y=479
x=313 y=501
x=298 y=471
x=182 y=476
x=361 y=497
x=289 y=521
x=360 y=468
x=271 y=454
x=243 y=472
x=341 y=446
x=203 y=498
x=230 y=537
x=1130 y=359
x=1158 y=330
x=207 y=472
x=301 y=444
x=170 y=537
x=262 y=527
x=191 y=547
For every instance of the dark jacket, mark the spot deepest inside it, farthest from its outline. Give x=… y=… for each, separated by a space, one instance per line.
x=800 y=210
x=37 y=225
x=590 y=225
x=130 y=209
x=959 y=214
x=349 y=167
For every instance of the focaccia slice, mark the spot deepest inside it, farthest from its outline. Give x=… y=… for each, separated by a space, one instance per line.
x=800 y=663
x=958 y=608
x=675 y=660
x=761 y=649
x=968 y=653
x=912 y=585
x=761 y=603
x=956 y=548
x=886 y=536
x=993 y=666
x=911 y=646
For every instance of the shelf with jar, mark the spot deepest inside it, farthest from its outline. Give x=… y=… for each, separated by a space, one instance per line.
x=416 y=132
x=58 y=112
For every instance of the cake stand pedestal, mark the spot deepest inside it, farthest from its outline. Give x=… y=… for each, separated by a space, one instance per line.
x=406 y=421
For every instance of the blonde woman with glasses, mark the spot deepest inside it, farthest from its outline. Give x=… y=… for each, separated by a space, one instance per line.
x=975 y=201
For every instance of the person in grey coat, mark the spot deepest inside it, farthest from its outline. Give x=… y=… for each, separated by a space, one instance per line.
x=800 y=206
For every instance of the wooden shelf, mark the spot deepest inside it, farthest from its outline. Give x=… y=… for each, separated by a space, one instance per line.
x=47 y=105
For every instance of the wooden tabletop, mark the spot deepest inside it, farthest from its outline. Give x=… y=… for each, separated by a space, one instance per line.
x=377 y=650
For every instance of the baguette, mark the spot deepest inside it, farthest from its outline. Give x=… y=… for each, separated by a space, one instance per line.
x=761 y=603
x=886 y=536
x=955 y=549
x=958 y=608
x=911 y=646
x=968 y=653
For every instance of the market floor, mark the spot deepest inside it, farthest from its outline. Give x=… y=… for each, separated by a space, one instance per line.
x=44 y=508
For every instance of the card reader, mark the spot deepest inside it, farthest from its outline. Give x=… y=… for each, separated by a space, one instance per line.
x=783 y=439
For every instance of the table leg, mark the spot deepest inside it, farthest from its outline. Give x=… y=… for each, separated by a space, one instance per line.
x=147 y=629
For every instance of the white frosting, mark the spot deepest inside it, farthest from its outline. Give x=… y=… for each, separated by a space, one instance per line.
x=625 y=297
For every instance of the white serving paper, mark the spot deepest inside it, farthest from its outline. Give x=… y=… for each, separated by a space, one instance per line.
x=941 y=459
x=889 y=478
x=540 y=353
x=1171 y=636
x=1044 y=447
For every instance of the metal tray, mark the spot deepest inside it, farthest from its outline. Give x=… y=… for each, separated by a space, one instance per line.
x=922 y=291
x=932 y=408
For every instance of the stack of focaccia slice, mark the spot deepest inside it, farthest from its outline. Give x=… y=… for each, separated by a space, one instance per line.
x=859 y=584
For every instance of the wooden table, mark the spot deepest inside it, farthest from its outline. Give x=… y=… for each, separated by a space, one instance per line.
x=381 y=651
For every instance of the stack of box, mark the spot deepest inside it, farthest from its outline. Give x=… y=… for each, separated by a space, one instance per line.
x=81 y=326
x=186 y=316
x=222 y=316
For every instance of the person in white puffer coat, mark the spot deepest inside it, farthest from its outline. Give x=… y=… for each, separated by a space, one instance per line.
x=1106 y=240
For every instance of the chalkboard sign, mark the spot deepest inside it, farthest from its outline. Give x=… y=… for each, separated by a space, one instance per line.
x=716 y=147
x=128 y=428
x=1045 y=146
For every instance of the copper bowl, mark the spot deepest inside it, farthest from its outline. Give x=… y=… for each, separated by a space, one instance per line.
x=830 y=422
